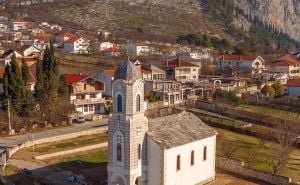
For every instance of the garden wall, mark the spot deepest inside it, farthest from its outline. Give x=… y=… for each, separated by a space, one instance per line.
x=238 y=168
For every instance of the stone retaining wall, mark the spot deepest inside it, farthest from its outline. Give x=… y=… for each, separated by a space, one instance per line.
x=99 y=130
x=238 y=167
x=71 y=151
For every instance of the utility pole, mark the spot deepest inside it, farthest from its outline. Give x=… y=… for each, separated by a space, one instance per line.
x=8 y=112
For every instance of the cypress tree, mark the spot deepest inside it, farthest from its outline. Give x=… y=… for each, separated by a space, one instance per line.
x=39 y=91
x=25 y=72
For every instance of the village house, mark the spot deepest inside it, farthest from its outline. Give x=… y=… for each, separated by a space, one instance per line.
x=104 y=33
x=111 y=52
x=63 y=37
x=148 y=149
x=86 y=94
x=77 y=45
x=3 y=27
x=181 y=70
x=286 y=65
x=155 y=72
x=18 y=24
x=137 y=49
x=42 y=40
x=168 y=91
x=293 y=87
x=105 y=45
x=253 y=64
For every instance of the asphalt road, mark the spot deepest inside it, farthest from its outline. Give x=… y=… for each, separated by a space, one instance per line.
x=17 y=139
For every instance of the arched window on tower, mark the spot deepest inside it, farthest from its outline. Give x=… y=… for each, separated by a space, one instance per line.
x=119 y=152
x=119 y=102
x=139 y=151
x=178 y=162
x=119 y=147
x=138 y=103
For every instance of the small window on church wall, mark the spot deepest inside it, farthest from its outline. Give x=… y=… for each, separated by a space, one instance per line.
x=138 y=103
x=119 y=101
x=204 y=153
x=139 y=151
x=178 y=163
x=119 y=152
x=192 y=158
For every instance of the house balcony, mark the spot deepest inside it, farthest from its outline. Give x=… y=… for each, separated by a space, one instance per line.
x=88 y=101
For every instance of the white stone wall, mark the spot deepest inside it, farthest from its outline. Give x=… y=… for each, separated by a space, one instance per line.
x=154 y=162
x=201 y=171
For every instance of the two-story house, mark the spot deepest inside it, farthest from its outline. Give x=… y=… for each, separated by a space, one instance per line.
x=253 y=64
x=18 y=24
x=137 y=49
x=286 y=65
x=86 y=93
x=181 y=70
x=77 y=45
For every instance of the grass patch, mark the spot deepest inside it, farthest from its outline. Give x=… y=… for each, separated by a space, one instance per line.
x=272 y=112
x=72 y=143
x=10 y=170
x=249 y=151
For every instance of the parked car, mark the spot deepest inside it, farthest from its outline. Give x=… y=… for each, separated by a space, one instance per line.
x=80 y=119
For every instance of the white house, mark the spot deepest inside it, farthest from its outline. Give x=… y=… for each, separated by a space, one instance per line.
x=3 y=27
x=18 y=24
x=8 y=54
x=176 y=149
x=255 y=64
x=286 y=65
x=77 y=45
x=105 y=45
x=293 y=87
x=182 y=70
x=137 y=49
x=86 y=93
x=63 y=37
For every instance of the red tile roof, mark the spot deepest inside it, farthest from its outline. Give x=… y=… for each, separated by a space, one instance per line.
x=111 y=50
x=72 y=40
x=178 y=62
x=293 y=83
x=144 y=70
x=237 y=57
x=66 y=34
x=18 y=20
x=44 y=37
x=74 y=78
x=286 y=60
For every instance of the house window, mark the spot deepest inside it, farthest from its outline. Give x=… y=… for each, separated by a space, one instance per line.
x=139 y=151
x=192 y=158
x=178 y=163
x=92 y=96
x=91 y=108
x=84 y=87
x=204 y=153
x=86 y=108
x=119 y=103
x=119 y=152
x=138 y=103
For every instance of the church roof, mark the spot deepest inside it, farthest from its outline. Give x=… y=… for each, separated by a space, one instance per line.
x=179 y=129
x=128 y=71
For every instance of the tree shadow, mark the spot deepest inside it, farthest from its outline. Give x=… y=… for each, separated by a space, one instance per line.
x=62 y=174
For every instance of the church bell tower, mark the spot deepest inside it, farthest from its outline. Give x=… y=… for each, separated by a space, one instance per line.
x=127 y=127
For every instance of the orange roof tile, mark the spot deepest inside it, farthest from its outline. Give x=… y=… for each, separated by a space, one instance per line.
x=44 y=37
x=74 y=78
x=72 y=39
x=178 y=62
x=286 y=60
x=18 y=20
x=111 y=50
x=110 y=72
x=237 y=57
x=293 y=83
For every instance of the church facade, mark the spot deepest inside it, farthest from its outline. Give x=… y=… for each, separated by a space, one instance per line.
x=172 y=150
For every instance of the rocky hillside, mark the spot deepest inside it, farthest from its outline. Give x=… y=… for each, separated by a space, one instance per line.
x=282 y=14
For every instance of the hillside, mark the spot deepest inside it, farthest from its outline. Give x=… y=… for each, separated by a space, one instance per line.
x=282 y=14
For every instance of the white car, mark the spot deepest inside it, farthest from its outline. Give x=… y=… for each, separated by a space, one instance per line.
x=80 y=119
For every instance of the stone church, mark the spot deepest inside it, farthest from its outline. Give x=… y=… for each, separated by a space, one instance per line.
x=172 y=150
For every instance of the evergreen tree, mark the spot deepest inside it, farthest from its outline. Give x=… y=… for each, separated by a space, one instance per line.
x=62 y=86
x=39 y=91
x=25 y=72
